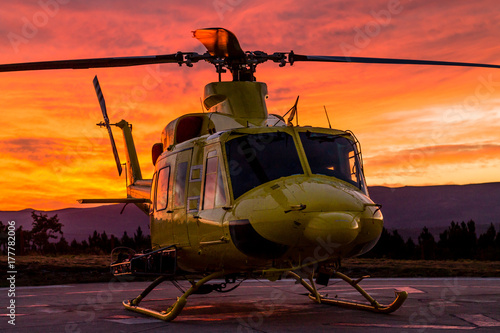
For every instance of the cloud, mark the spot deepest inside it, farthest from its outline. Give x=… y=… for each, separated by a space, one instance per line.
x=50 y=141
x=426 y=157
x=432 y=165
x=36 y=149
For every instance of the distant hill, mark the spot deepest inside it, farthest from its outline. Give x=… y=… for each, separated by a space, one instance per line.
x=407 y=209
x=79 y=223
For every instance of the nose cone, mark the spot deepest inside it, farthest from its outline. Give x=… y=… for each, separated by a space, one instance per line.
x=337 y=227
x=305 y=212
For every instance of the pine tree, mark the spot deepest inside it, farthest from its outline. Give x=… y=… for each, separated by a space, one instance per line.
x=3 y=237
x=486 y=244
x=127 y=241
x=427 y=245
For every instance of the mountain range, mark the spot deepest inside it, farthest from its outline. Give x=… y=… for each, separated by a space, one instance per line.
x=79 y=223
x=407 y=209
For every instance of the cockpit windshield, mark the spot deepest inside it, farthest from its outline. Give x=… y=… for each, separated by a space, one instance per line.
x=255 y=159
x=333 y=155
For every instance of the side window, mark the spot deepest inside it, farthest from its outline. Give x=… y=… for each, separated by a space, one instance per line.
x=180 y=184
x=220 y=193
x=195 y=183
x=153 y=192
x=213 y=194
x=162 y=188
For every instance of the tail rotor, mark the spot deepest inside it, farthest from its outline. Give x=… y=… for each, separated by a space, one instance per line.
x=106 y=124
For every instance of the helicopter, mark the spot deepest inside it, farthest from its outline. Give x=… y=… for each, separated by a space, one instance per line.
x=239 y=193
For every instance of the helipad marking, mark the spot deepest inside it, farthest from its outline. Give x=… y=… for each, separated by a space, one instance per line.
x=134 y=321
x=442 y=303
x=119 y=317
x=410 y=290
x=196 y=307
x=436 y=327
x=476 y=301
x=479 y=320
x=110 y=290
x=33 y=305
x=51 y=310
x=41 y=287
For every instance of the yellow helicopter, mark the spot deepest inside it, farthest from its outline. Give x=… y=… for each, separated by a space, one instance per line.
x=239 y=193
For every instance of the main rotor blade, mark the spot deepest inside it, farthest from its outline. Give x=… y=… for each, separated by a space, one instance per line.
x=92 y=63
x=298 y=57
x=219 y=42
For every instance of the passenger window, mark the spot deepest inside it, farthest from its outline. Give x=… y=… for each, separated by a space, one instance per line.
x=214 y=194
x=220 y=194
x=180 y=184
x=153 y=191
x=162 y=188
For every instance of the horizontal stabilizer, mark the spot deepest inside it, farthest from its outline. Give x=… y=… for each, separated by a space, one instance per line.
x=116 y=200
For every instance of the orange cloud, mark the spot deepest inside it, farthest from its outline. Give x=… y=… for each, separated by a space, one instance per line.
x=52 y=152
x=431 y=165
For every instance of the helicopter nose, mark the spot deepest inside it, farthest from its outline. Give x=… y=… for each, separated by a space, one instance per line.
x=303 y=211
x=337 y=227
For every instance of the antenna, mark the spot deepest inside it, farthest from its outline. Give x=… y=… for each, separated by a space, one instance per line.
x=327 y=118
x=202 y=108
x=297 y=111
x=293 y=113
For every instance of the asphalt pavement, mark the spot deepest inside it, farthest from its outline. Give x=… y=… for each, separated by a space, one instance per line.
x=433 y=305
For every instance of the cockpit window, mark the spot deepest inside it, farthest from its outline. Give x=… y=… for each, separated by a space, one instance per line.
x=333 y=155
x=255 y=159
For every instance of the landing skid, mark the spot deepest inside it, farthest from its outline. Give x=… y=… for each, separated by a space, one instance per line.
x=173 y=311
x=374 y=306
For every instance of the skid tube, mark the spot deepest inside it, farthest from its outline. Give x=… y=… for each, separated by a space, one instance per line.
x=374 y=306
x=173 y=311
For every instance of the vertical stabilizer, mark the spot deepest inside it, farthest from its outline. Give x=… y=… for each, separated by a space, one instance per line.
x=133 y=167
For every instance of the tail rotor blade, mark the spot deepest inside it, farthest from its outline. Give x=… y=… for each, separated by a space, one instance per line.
x=102 y=103
x=100 y=97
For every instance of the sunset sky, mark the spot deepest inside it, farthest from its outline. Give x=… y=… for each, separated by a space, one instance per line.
x=418 y=125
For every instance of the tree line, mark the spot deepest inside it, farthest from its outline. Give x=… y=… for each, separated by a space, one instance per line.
x=458 y=241
x=46 y=237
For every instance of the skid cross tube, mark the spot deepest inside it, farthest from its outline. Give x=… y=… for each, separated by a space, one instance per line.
x=374 y=306
x=173 y=311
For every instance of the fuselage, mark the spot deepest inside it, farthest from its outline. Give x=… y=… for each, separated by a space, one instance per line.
x=256 y=198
